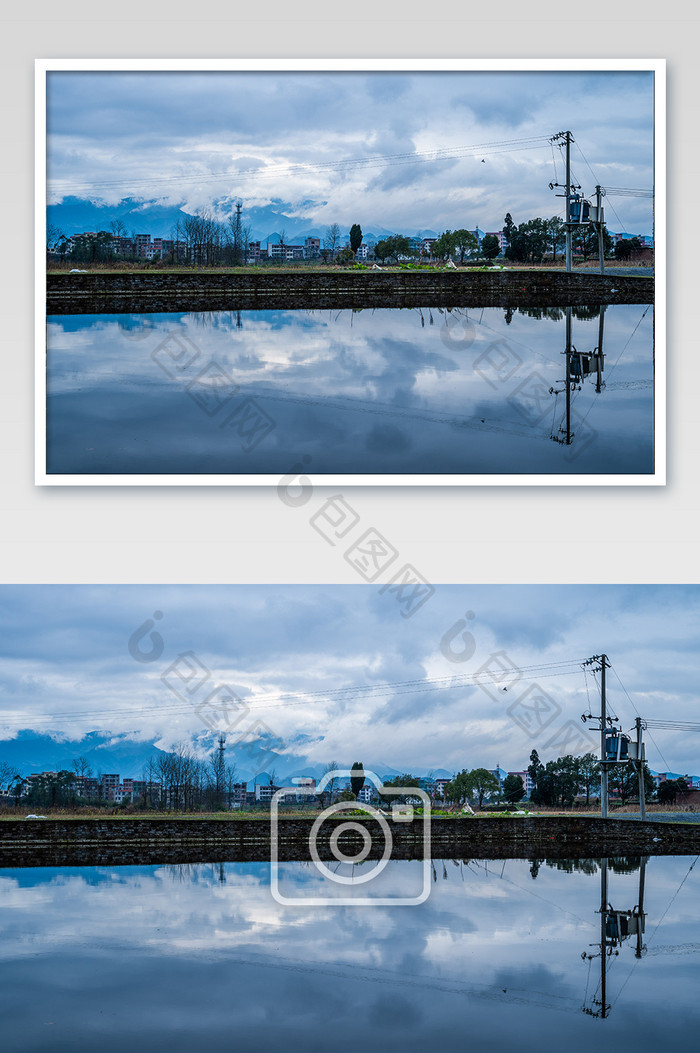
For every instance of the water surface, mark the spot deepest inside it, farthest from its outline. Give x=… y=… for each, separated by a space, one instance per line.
x=201 y=957
x=387 y=391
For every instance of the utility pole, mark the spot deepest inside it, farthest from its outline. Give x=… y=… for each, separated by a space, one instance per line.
x=599 y=223
x=568 y=188
x=640 y=769
x=601 y=661
x=568 y=203
x=603 y=726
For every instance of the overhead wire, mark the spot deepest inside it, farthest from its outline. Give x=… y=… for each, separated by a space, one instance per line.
x=339 y=165
x=273 y=701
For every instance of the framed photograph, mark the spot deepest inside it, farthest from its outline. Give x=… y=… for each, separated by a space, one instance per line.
x=379 y=271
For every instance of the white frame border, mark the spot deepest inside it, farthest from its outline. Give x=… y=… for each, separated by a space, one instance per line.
x=657 y=66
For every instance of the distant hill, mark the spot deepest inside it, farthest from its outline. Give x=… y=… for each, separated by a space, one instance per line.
x=31 y=752
x=76 y=216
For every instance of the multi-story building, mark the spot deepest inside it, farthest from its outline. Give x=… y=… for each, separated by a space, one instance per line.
x=144 y=246
x=439 y=788
x=107 y=783
x=527 y=781
x=312 y=248
x=285 y=252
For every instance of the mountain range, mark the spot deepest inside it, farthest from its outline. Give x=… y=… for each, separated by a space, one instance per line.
x=30 y=753
x=75 y=215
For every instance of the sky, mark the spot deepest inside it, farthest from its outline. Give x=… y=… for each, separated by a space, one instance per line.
x=201 y=139
x=77 y=659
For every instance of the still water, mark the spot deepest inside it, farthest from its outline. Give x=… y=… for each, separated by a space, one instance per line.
x=501 y=955
x=387 y=391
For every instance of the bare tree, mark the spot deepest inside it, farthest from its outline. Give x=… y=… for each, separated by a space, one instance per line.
x=8 y=774
x=82 y=768
x=329 y=789
x=55 y=238
x=331 y=241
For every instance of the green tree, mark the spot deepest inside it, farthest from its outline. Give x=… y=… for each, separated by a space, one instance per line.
x=513 y=789
x=443 y=247
x=394 y=246
x=355 y=237
x=490 y=247
x=509 y=228
x=585 y=240
x=457 y=790
x=623 y=249
x=399 y=782
x=357 y=781
x=670 y=789
x=589 y=773
x=535 y=768
x=465 y=243
x=480 y=784
x=556 y=232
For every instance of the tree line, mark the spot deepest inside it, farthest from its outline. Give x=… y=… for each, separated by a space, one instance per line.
x=175 y=781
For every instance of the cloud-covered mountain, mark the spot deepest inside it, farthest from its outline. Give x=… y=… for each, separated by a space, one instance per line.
x=76 y=215
x=31 y=753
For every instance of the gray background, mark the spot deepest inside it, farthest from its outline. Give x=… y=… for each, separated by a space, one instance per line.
x=480 y=534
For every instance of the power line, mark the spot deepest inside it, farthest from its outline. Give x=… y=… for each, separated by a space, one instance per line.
x=673 y=725
x=340 y=165
x=427 y=684
x=656 y=746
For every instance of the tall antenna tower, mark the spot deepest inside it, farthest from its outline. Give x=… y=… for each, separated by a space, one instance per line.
x=238 y=232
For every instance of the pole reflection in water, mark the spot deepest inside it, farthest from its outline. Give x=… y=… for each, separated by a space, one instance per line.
x=579 y=366
x=616 y=926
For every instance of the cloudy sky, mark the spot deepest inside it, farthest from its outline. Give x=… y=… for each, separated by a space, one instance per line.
x=198 y=138
x=66 y=666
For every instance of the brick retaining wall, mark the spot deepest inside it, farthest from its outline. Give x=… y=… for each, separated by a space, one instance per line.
x=154 y=292
x=89 y=842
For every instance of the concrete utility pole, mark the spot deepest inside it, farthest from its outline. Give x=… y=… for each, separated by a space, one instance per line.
x=568 y=188
x=640 y=770
x=569 y=260
x=603 y=726
x=599 y=223
x=601 y=660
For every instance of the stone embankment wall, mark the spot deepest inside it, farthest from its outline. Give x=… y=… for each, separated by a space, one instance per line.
x=153 y=292
x=89 y=842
